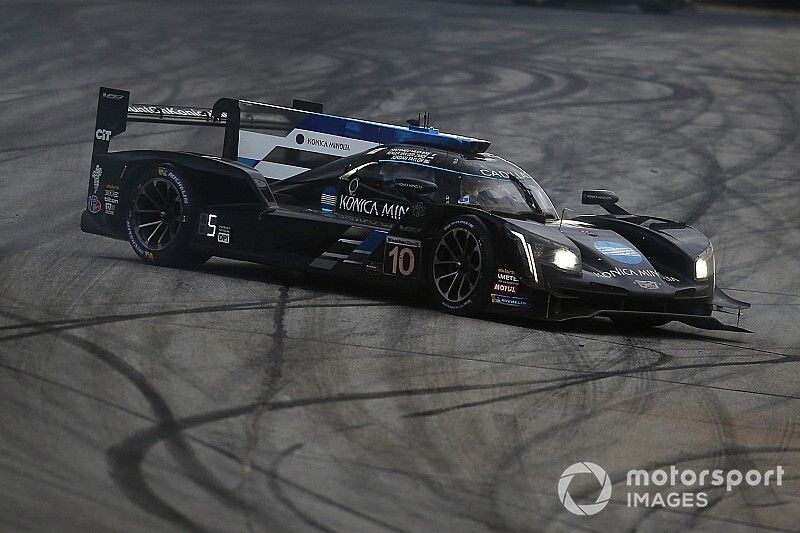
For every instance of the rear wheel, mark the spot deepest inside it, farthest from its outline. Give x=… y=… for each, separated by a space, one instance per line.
x=462 y=262
x=161 y=218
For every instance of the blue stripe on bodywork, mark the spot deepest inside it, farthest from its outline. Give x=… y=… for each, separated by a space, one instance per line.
x=389 y=134
x=372 y=241
x=248 y=162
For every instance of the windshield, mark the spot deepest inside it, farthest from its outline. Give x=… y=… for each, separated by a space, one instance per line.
x=500 y=195
x=485 y=181
x=503 y=187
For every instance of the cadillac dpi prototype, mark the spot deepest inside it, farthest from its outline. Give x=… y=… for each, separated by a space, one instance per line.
x=409 y=206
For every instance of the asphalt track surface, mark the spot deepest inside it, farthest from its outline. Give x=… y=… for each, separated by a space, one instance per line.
x=234 y=397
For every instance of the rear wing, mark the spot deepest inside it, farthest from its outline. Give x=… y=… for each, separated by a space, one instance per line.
x=277 y=141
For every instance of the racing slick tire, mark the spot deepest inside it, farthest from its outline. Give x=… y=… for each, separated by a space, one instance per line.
x=461 y=266
x=161 y=219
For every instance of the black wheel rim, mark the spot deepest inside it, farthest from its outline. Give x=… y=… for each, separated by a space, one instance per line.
x=157 y=213
x=457 y=263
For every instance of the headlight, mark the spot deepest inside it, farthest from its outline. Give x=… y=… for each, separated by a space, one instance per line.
x=567 y=260
x=704 y=265
x=548 y=252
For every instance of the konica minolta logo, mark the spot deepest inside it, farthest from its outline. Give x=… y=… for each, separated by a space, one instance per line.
x=174 y=111
x=322 y=143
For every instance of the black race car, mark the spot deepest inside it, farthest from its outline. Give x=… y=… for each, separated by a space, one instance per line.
x=408 y=206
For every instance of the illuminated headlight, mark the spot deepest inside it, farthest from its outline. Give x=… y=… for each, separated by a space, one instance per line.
x=704 y=265
x=567 y=260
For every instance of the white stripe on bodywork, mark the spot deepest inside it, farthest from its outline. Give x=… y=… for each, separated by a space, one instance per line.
x=278 y=171
x=257 y=145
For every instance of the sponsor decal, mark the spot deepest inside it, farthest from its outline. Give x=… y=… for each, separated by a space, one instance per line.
x=513 y=301
x=375 y=208
x=495 y=173
x=461 y=305
x=392 y=239
x=93 y=204
x=328 y=199
x=352 y=187
x=597 y=196
x=418 y=210
x=96 y=174
x=113 y=96
x=647 y=284
x=507 y=276
x=589 y=232
x=642 y=272
x=617 y=272
x=412 y=155
x=618 y=252
x=322 y=143
x=505 y=288
x=102 y=135
x=373 y=267
x=408 y=185
x=111 y=199
x=506 y=282
x=464 y=199
x=663 y=488
x=174 y=111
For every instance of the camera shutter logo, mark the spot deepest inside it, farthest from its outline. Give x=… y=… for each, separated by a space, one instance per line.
x=584 y=467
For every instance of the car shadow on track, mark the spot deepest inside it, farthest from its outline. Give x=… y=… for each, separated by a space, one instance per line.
x=380 y=295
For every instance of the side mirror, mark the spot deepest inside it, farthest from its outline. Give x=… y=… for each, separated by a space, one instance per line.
x=605 y=199
x=599 y=197
x=416 y=185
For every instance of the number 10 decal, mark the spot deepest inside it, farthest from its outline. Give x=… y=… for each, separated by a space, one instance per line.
x=402 y=256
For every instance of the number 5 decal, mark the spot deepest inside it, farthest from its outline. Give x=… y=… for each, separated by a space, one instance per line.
x=402 y=256
x=212 y=228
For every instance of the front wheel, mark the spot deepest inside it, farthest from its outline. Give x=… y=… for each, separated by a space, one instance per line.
x=461 y=266
x=161 y=218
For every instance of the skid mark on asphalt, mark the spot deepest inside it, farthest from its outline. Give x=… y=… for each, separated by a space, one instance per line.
x=124 y=468
x=137 y=445
x=269 y=387
x=276 y=489
x=53 y=326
